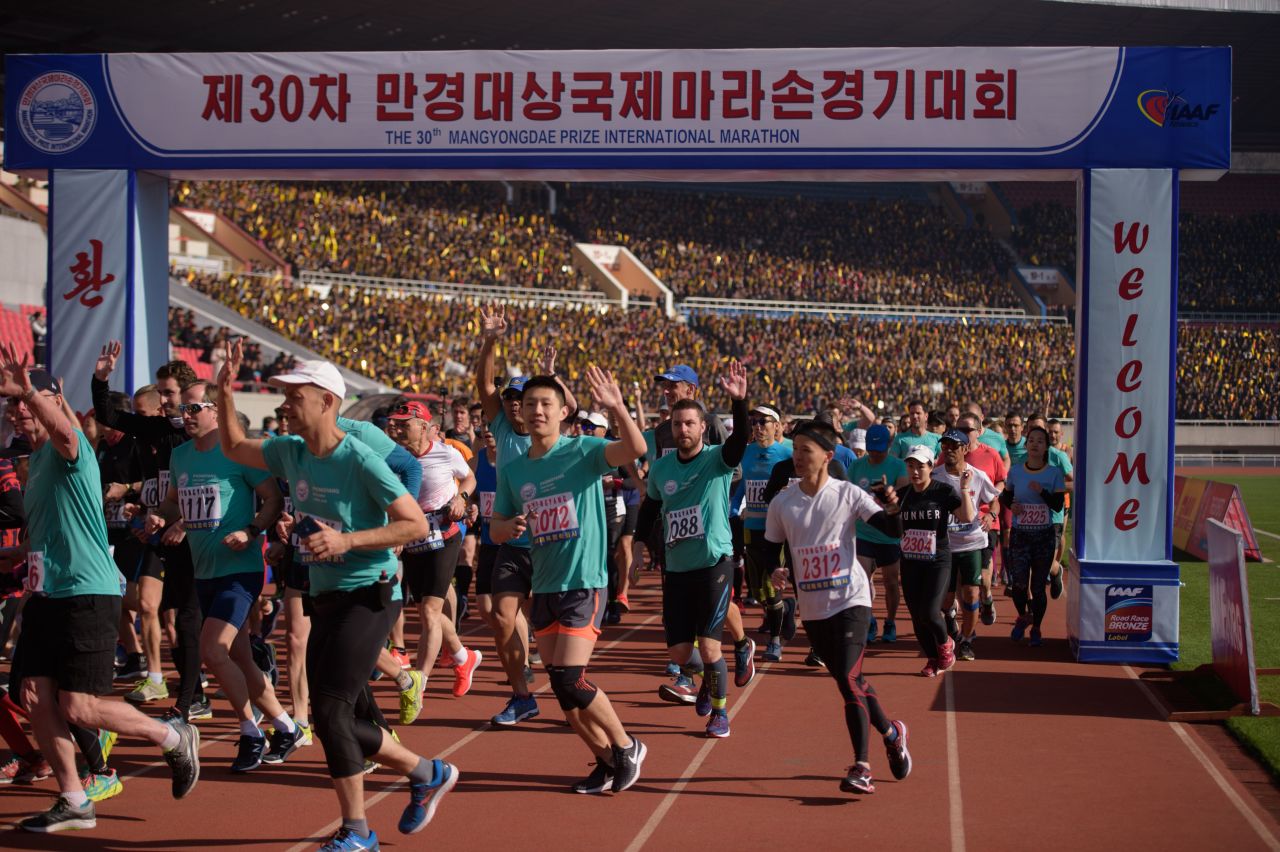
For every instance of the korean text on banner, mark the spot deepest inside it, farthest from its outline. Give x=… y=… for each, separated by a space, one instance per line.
x=1230 y=622
x=88 y=273
x=1127 y=381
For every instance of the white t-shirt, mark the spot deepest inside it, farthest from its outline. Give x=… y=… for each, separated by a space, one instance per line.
x=964 y=538
x=820 y=531
x=442 y=467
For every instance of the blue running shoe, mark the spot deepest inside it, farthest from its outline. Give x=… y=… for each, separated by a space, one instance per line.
x=871 y=631
x=673 y=669
x=773 y=653
x=1019 y=628
x=424 y=799
x=249 y=753
x=744 y=663
x=679 y=692
x=702 y=705
x=718 y=726
x=346 y=840
x=890 y=633
x=519 y=708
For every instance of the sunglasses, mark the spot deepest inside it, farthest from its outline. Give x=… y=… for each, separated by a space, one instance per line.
x=760 y=421
x=194 y=407
x=588 y=427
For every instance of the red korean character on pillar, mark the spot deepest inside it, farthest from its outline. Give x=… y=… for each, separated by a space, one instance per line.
x=87 y=273
x=542 y=104
x=396 y=90
x=443 y=94
x=996 y=94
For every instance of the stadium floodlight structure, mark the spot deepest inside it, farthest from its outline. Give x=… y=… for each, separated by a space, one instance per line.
x=1127 y=124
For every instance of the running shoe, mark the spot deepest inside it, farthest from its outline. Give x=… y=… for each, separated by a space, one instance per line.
x=271 y=617
x=146 y=691
x=718 y=725
x=773 y=652
x=750 y=600
x=463 y=672
x=305 y=736
x=519 y=708
x=1036 y=639
x=22 y=770
x=401 y=657
x=612 y=615
x=106 y=742
x=626 y=764
x=947 y=655
x=987 y=611
x=600 y=779
x=813 y=660
x=702 y=705
x=346 y=840
x=744 y=662
x=184 y=759
x=535 y=658
x=858 y=780
x=673 y=670
x=623 y=604
x=249 y=753
x=964 y=651
x=424 y=799
x=1019 y=628
x=200 y=709
x=99 y=786
x=930 y=669
x=370 y=766
x=204 y=680
x=789 y=619
x=63 y=816
x=896 y=751
x=679 y=692
x=135 y=666
x=871 y=631
x=1055 y=585
x=890 y=632
x=282 y=744
x=411 y=698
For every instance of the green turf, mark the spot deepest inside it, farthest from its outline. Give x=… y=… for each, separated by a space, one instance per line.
x=1259 y=735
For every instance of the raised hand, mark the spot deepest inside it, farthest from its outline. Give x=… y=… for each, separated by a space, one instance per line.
x=848 y=405
x=106 y=362
x=604 y=390
x=493 y=321
x=14 y=379
x=231 y=366
x=547 y=361
x=735 y=384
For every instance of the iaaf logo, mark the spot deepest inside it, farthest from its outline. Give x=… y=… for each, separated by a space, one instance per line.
x=1126 y=591
x=1166 y=108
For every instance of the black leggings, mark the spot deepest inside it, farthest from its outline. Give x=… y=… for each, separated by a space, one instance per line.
x=840 y=641
x=924 y=584
x=180 y=595
x=1030 y=558
x=348 y=629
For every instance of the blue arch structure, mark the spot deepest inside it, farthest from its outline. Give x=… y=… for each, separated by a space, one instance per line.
x=1127 y=124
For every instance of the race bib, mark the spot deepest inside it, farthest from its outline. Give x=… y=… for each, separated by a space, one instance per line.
x=663 y=453
x=162 y=487
x=755 y=493
x=151 y=493
x=201 y=506
x=486 y=504
x=919 y=544
x=685 y=525
x=433 y=541
x=35 y=572
x=304 y=554
x=114 y=510
x=820 y=567
x=288 y=505
x=552 y=519
x=1031 y=514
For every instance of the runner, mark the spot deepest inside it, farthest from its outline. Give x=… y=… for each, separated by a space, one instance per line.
x=691 y=490
x=987 y=459
x=211 y=503
x=66 y=651
x=814 y=518
x=916 y=433
x=352 y=510
x=553 y=492
x=875 y=549
x=1034 y=490
x=926 y=509
x=429 y=564
x=768 y=448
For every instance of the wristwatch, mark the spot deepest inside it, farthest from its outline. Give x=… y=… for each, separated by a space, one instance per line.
x=253 y=530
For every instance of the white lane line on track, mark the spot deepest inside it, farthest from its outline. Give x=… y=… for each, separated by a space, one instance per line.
x=1259 y=827
x=655 y=819
x=956 y=802
x=398 y=784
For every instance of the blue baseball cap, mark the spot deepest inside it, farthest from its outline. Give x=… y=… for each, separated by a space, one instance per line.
x=960 y=436
x=878 y=438
x=679 y=373
x=516 y=385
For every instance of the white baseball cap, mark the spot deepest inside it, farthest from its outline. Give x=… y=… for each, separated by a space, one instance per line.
x=921 y=453
x=597 y=419
x=322 y=374
x=857 y=439
x=767 y=412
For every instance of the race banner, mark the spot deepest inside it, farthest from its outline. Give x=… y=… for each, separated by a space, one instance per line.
x=1199 y=501
x=88 y=290
x=811 y=110
x=1230 y=620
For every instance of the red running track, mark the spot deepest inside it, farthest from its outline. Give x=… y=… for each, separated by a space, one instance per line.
x=1022 y=749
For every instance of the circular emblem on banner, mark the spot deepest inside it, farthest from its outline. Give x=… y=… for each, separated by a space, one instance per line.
x=57 y=112
x=301 y=489
x=528 y=491
x=669 y=487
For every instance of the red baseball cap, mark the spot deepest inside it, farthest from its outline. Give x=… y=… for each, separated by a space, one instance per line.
x=410 y=410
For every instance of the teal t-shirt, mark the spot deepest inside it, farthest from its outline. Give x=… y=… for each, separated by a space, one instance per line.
x=66 y=527
x=380 y=442
x=864 y=473
x=903 y=443
x=1058 y=458
x=757 y=466
x=995 y=441
x=349 y=490
x=509 y=445
x=215 y=496
x=695 y=507
x=650 y=445
x=1017 y=451
x=560 y=493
